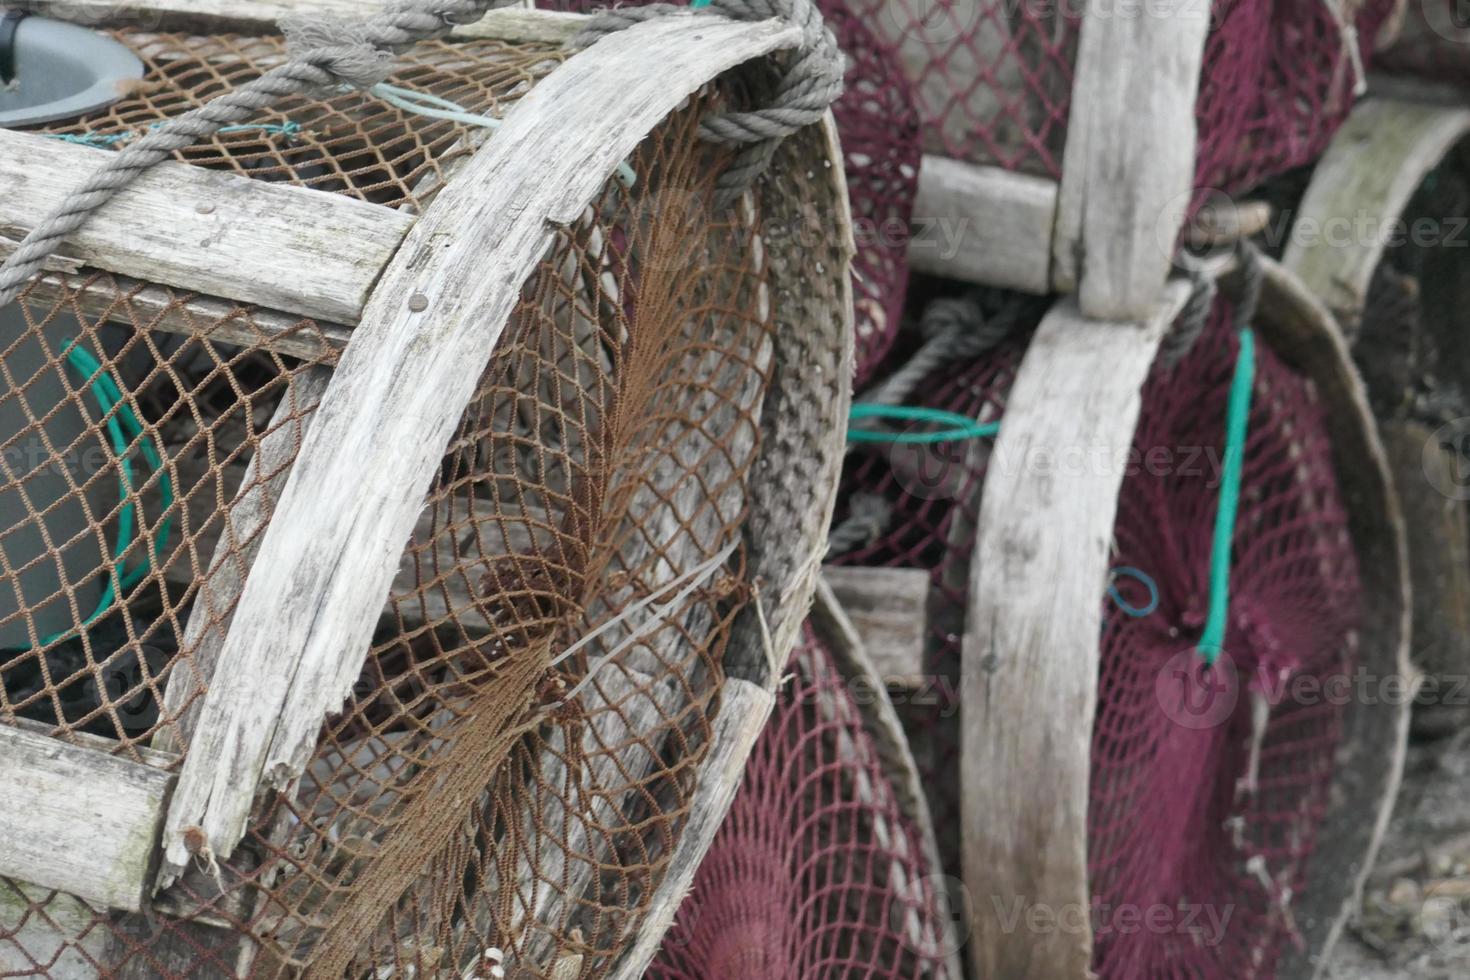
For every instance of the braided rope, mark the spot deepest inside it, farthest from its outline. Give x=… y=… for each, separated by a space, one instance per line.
x=808 y=87
x=323 y=53
x=868 y=515
x=956 y=330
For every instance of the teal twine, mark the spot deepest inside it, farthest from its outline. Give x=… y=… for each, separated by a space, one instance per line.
x=1236 y=420
x=288 y=129
x=122 y=427
x=436 y=107
x=1128 y=571
x=960 y=426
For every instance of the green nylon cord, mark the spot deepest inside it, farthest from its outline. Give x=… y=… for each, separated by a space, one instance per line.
x=960 y=426
x=1236 y=420
x=122 y=427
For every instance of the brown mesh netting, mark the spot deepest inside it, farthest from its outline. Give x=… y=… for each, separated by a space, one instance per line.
x=353 y=143
x=516 y=762
x=601 y=466
x=119 y=446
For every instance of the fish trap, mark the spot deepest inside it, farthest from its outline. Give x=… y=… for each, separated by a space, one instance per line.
x=405 y=494
x=1173 y=810
x=825 y=864
x=1396 y=284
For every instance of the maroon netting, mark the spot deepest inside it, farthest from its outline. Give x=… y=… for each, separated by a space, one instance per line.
x=1179 y=818
x=1278 y=79
x=994 y=79
x=879 y=127
x=815 y=871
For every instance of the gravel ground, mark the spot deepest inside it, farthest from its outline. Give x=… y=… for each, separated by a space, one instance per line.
x=1414 y=923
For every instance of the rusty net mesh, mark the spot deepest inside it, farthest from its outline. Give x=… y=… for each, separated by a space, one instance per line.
x=353 y=143
x=1194 y=811
x=816 y=871
x=878 y=123
x=130 y=413
x=512 y=771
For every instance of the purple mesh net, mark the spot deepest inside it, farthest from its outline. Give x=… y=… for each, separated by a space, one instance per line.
x=1174 y=822
x=1181 y=815
x=815 y=871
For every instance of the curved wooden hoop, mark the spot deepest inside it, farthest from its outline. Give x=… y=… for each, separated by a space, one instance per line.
x=1378 y=159
x=1035 y=614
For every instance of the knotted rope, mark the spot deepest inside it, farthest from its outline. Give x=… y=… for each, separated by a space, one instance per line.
x=322 y=54
x=808 y=87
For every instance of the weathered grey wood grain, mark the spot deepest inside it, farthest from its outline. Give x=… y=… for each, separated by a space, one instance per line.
x=1031 y=634
x=209 y=618
x=1128 y=165
x=889 y=609
x=1359 y=188
x=305 y=617
x=78 y=819
x=290 y=248
x=983 y=225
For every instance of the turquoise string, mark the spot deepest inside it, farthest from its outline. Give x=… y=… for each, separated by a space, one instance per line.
x=1236 y=419
x=1128 y=571
x=960 y=426
x=122 y=428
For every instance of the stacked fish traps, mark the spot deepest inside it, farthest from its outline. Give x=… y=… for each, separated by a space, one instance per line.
x=407 y=509
x=1091 y=768
x=1380 y=234
x=1059 y=139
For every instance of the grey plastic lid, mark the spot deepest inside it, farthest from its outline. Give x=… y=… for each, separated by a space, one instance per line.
x=63 y=71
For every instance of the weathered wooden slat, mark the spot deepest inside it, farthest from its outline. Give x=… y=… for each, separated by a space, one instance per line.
x=1031 y=635
x=205 y=316
x=889 y=609
x=1360 y=187
x=983 y=224
x=289 y=248
x=304 y=620
x=1128 y=165
x=78 y=819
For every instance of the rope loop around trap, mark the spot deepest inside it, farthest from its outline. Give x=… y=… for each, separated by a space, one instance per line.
x=807 y=89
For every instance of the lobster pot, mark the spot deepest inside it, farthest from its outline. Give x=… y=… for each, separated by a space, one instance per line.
x=826 y=860
x=879 y=128
x=405 y=519
x=1041 y=171
x=1397 y=287
x=1200 y=820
